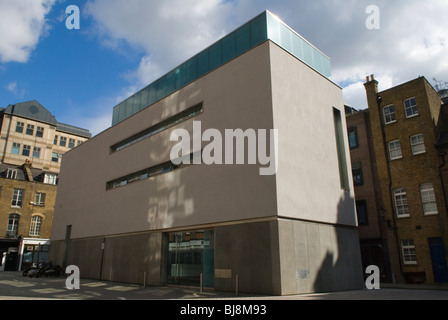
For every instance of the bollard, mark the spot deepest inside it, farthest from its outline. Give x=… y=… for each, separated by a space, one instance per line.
x=236 y=285
x=144 y=280
x=200 y=283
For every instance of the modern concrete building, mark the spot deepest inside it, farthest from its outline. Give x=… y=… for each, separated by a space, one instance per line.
x=31 y=147
x=125 y=212
x=406 y=122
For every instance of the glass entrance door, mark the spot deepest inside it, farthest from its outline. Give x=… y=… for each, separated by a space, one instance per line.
x=191 y=254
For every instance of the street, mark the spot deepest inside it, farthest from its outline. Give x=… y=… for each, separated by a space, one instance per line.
x=13 y=286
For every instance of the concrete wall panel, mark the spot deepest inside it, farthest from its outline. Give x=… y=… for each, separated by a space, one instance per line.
x=249 y=251
x=318 y=258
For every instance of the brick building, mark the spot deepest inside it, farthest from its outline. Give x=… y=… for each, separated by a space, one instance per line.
x=31 y=147
x=371 y=227
x=404 y=122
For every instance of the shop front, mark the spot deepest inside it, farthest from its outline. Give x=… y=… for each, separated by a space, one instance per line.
x=33 y=251
x=191 y=258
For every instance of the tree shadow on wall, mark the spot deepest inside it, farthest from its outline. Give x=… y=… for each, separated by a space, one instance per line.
x=341 y=266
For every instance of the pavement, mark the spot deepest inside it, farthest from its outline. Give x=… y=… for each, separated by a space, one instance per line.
x=13 y=286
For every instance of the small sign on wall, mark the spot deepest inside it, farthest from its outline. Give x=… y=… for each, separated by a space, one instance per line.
x=302 y=274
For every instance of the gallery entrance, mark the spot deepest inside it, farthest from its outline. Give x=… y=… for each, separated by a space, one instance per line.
x=190 y=255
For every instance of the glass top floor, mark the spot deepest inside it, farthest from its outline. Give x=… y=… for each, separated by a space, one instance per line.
x=265 y=26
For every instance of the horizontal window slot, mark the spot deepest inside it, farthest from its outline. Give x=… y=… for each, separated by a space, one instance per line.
x=153 y=171
x=159 y=127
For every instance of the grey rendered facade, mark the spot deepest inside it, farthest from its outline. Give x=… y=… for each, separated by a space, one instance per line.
x=292 y=232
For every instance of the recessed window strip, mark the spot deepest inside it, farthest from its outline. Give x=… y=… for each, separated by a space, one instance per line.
x=159 y=127
x=150 y=172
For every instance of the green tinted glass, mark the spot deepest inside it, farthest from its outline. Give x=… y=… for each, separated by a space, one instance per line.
x=263 y=27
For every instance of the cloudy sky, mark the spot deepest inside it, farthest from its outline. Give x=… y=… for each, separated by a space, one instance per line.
x=122 y=46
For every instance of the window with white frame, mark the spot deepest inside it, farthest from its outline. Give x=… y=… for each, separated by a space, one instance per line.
x=410 y=107
x=17 y=198
x=408 y=252
x=36 y=223
x=389 y=114
x=428 y=198
x=401 y=203
x=39 y=199
x=11 y=174
x=51 y=178
x=13 y=225
x=417 y=144
x=395 y=150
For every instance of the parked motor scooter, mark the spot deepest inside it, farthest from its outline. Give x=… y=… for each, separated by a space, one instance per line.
x=30 y=269
x=38 y=271
x=53 y=271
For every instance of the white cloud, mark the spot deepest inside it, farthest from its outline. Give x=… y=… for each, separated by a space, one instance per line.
x=12 y=87
x=412 y=40
x=22 y=23
x=98 y=123
x=166 y=32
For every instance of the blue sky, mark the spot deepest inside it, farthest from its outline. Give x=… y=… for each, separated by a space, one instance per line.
x=80 y=75
x=70 y=72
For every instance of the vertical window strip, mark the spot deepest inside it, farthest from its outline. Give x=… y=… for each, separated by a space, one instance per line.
x=340 y=145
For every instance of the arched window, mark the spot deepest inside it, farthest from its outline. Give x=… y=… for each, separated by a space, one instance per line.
x=13 y=225
x=36 y=223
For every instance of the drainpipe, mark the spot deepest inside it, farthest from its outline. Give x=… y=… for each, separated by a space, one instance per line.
x=391 y=197
x=442 y=155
